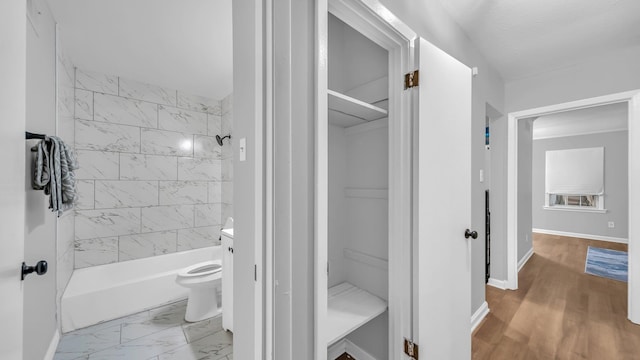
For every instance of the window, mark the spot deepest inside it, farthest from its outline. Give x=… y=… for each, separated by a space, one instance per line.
x=574 y=179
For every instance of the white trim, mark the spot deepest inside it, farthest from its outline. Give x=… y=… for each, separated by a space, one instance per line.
x=337 y=349
x=269 y=266
x=366 y=259
x=500 y=284
x=524 y=259
x=633 y=293
x=633 y=100
x=582 y=236
x=53 y=346
x=574 y=208
x=357 y=352
x=321 y=200
x=479 y=315
x=368 y=126
x=346 y=346
x=579 y=134
x=366 y=193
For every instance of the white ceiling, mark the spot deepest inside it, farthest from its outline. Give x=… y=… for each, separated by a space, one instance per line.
x=180 y=44
x=605 y=118
x=526 y=37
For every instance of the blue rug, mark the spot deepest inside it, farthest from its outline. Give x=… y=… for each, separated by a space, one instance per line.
x=612 y=264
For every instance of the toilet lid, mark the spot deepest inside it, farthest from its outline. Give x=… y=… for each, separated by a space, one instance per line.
x=201 y=269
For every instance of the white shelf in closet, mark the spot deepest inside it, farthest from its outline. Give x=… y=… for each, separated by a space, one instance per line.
x=350 y=307
x=348 y=111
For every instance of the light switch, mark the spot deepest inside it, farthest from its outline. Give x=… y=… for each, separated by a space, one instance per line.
x=481 y=175
x=243 y=149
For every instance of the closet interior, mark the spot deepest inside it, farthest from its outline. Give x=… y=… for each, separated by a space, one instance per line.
x=358 y=236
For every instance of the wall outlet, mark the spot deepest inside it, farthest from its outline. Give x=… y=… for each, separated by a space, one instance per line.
x=611 y=224
x=526 y=237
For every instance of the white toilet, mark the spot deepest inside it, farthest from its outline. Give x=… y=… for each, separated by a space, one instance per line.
x=203 y=281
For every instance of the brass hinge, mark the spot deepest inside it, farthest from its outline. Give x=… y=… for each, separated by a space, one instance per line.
x=411 y=79
x=411 y=349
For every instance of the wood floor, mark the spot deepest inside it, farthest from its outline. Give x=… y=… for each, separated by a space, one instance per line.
x=558 y=312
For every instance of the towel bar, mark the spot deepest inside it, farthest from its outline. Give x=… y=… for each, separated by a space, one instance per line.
x=30 y=135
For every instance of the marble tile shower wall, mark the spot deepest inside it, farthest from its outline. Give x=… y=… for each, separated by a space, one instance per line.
x=151 y=171
x=227 y=158
x=65 y=130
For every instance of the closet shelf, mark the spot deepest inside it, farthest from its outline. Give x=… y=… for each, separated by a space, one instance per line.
x=350 y=307
x=352 y=111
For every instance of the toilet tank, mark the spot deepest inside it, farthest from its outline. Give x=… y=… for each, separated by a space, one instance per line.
x=227 y=230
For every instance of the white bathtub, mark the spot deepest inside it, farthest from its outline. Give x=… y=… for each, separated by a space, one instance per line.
x=106 y=292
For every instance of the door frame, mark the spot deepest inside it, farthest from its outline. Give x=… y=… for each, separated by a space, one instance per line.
x=632 y=98
x=373 y=20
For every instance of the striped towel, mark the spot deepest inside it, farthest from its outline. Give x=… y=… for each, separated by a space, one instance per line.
x=54 y=173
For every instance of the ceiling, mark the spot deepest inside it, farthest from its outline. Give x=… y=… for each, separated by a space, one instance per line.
x=524 y=37
x=184 y=45
x=605 y=118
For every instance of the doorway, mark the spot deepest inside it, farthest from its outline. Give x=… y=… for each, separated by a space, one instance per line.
x=382 y=93
x=632 y=99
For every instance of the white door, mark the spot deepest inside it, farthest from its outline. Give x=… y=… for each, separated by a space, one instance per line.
x=443 y=209
x=12 y=177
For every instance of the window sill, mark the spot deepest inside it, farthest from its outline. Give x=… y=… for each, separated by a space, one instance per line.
x=575 y=209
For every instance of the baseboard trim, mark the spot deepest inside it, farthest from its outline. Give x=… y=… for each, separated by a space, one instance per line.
x=336 y=350
x=479 y=315
x=53 y=346
x=500 y=284
x=582 y=236
x=347 y=346
x=524 y=259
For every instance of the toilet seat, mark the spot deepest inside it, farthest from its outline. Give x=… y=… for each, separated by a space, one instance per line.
x=201 y=269
x=201 y=274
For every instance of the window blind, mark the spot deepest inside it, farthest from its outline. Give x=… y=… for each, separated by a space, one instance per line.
x=575 y=171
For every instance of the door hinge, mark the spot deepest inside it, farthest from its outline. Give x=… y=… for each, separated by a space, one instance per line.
x=411 y=79
x=411 y=349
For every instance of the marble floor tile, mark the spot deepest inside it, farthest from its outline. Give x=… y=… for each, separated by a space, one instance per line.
x=156 y=334
x=201 y=329
x=158 y=320
x=212 y=347
x=144 y=347
x=79 y=344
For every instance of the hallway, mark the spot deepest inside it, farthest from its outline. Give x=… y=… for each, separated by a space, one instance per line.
x=559 y=312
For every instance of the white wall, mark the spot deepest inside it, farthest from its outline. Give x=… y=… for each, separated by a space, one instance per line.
x=337 y=216
x=525 y=144
x=40 y=223
x=359 y=223
x=353 y=59
x=615 y=186
x=601 y=75
x=367 y=155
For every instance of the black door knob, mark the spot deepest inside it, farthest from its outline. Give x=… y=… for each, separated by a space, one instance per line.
x=40 y=269
x=468 y=233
